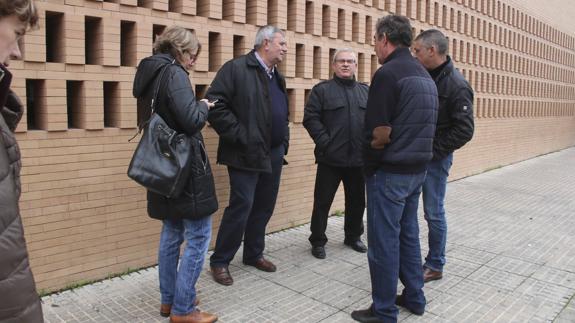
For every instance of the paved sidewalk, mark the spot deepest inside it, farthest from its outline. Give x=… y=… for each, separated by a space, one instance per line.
x=510 y=253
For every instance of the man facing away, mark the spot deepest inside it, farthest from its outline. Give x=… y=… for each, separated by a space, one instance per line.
x=334 y=116
x=399 y=127
x=454 y=129
x=251 y=118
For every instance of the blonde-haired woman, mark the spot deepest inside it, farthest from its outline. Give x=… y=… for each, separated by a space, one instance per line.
x=189 y=215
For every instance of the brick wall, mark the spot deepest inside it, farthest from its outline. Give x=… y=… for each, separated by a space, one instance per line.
x=84 y=219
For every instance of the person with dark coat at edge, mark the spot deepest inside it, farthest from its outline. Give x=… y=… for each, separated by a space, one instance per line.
x=187 y=216
x=334 y=116
x=251 y=119
x=19 y=301
x=454 y=129
x=399 y=127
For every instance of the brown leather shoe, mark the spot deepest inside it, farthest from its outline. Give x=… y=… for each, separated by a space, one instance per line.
x=222 y=275
x=429 y=275
x=264 y=265
x=194 y=317
x=166 y=309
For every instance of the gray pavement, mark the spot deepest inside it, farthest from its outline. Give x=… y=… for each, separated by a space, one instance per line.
x=510 y=254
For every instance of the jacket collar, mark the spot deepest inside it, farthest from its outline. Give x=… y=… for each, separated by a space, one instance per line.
x=446 y=70
x=398 y=52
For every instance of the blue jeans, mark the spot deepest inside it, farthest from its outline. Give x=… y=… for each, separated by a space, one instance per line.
x=434 y=189
x=177 y=285
x=393 y=236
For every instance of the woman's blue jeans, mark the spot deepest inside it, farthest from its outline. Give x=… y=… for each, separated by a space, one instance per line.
x=177 y=285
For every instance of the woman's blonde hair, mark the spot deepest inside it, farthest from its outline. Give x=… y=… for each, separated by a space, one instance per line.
x=25 y=10
x=176 y=40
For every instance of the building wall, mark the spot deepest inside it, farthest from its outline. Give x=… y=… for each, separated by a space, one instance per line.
x=84 y=219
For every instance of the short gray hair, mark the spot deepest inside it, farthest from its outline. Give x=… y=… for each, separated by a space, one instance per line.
x=343 y=50
x=266 y=32
x=396 y=28
x=434 y=37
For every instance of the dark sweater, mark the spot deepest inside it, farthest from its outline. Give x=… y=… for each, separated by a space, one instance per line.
x=279 y=112
x=402 y=95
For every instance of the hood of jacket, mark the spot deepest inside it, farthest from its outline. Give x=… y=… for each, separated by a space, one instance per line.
x=147 y=71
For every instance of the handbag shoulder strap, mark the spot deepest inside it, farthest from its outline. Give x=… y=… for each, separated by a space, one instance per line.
x=158 y=83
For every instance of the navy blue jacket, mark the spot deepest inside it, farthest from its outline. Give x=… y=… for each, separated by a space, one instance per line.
x=403 y=96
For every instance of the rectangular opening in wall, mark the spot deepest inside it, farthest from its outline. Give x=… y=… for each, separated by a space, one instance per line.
x=239 y=46
x=368 y=29
x=251 y=11
x=93 y=40
x=35 y=104
x=309 y=17
x=374 y=64
x=273 y=18
x=360 y=67
x=408 y=9
x=316 y=62
x=301 y=59
x=157 y=30
x=331 y=56
x=128 y=43
x=145 y=3
x=340 y=23
x=203 y=8
x=291 y=104
x=74 y=103
x=291 y=15
x=355 y=27
x=54 y=39
x=175 y=6
x=215 y=51
x=111 y=104
x=325 y=21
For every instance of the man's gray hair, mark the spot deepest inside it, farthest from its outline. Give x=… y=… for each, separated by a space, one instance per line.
x=343 y=50
x=434 y=37
x=266 y=32
x=397 y=30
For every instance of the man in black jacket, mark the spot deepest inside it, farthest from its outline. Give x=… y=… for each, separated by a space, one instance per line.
x=251 y=118
x=454 y=129
x=334 y=116
x=399 y=126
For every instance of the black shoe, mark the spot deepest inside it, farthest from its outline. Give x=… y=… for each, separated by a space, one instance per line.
x=400 y=302
x=365 y=316
x=356 y=245
x=318 y=252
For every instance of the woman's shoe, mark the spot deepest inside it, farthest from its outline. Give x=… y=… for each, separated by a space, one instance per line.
x=194 y=317
x=166 y=309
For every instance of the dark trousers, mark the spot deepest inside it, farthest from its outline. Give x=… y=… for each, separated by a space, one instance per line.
x=326 y=183
x=252 y=201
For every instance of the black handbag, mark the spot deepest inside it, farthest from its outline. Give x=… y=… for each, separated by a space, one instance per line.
x=160 y=162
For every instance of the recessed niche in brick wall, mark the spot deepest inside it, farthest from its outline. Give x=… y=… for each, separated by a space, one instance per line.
x=292 y=104
x=355 y=27
x=215 y=51
x=317 y=62
x=127 y=43
x=157 y=30
x=291 y=15
x=36 y=104
x=360 y=64
x=341 y=27
x=273 y=12
x=331 y=55
x=374 y=64
x=300 y=58
x=251 y=11
x=112 y=104
x=93 y=43
x=75 y=104
x=54 y=37
x=201 y=90
x=239 y=46
x=309 y=16
x=325 y=21
x=368 y=30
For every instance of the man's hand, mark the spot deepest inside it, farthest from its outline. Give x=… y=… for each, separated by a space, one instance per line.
x=381 y=137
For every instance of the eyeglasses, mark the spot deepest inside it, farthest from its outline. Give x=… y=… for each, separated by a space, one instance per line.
x=193 y=57
x=345 y=61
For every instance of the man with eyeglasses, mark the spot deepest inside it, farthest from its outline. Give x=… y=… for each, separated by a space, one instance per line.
x=334 y=117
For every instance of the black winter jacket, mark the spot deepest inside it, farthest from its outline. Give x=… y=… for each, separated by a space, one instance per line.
x=19 y=301
x=403 y=96
x=455 y=119
x=334 y=116
x=242 y=117
x=177 y=105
